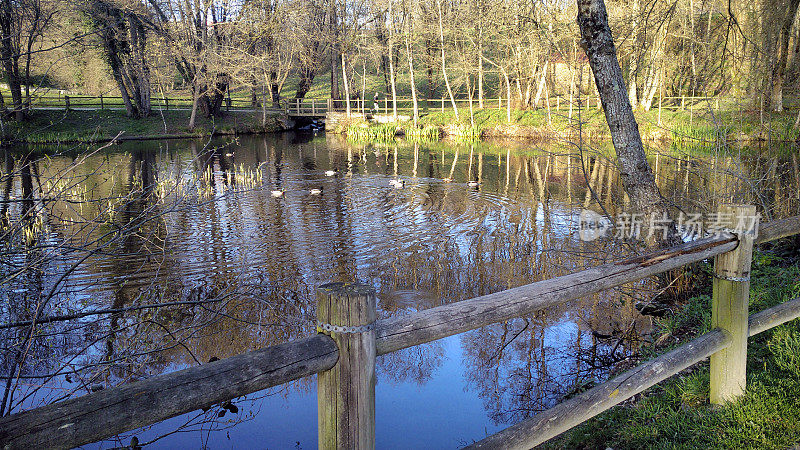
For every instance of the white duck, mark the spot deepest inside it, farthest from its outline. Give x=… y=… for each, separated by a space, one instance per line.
x=473 y=183
x=398 y=184
x=278 y=193
x=315 y=191
x=330 y=173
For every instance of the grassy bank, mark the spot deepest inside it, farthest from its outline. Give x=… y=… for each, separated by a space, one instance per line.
x=690 y=129
x=676 y=413
x=102 y=125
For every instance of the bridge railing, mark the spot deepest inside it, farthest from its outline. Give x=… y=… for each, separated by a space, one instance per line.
x=69 y=101
x=343 y=354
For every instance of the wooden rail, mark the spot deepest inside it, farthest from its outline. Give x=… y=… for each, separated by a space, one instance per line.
x=101 y=414
x=572 y=412
x=584 y=406
x=317 y=107
x=345 y=354
x=435 y=323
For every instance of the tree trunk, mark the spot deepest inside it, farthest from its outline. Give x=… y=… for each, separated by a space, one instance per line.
x=306 y=80
x=274 y=89
x=263 y=106
x=431 y=58
x=391 y=65
x=254 y=94
x=542 y=83
x=10 y=58
x=637 y=177
x=335 y=95
x=444 y=66
x=411 y=75
x=380 y=35
x=193 y=115
x=139 y=67
x=116 y=71
x=480 y=68
x=508 y=94
x=346 y=86
x=779 y=70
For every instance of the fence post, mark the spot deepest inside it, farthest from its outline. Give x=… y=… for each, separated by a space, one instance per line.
x=66 y=102
x=313 y=107
x=731 y=296
x=101 y=101
x=346 y=393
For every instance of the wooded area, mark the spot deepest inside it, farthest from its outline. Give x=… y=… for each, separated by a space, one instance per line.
x=271 y=49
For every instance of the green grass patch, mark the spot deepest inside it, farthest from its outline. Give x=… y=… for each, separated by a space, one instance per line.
x=45 y=126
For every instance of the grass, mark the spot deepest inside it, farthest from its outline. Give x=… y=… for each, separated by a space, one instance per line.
x=676 y=413
x=422 y=135
x=359 y=132
x=90 y=126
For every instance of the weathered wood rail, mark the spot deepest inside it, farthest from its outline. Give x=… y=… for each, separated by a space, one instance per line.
x=350 y=338
x=317 y=107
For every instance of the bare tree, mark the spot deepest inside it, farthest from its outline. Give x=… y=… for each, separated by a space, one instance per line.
x=637 y=177
x=124 y=39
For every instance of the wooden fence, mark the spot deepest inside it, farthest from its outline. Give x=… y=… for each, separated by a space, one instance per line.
x=343 y=354
x=68 y=101
x=405 y=105
x=317 y=107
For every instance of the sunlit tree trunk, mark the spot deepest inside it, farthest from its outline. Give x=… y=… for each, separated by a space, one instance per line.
x=480 y=67
x=444 y=65
x=410 y=57
x=346 y=86
x=636 y=175
x=542 y=83
x=193 y=115
x=634 y=55
x=391 y=63
x=508 y=95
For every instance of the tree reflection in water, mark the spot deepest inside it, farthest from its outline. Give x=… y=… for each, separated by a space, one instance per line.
x=193 y=225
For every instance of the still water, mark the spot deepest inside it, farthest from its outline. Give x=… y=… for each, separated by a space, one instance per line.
x=235 y=234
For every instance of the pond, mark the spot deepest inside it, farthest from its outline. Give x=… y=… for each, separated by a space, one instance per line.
x=232 y=236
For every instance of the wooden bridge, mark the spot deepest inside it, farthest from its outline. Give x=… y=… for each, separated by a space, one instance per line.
x=349 y=338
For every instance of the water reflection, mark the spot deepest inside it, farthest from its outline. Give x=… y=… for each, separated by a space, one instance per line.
x=181 y=254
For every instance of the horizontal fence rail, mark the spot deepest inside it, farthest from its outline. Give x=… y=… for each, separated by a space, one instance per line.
x=554 y=421
x=442 y=321
x=101 y=414
x=107 y=413
x=567 y=414
x=772 y=317
x=385 y=105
